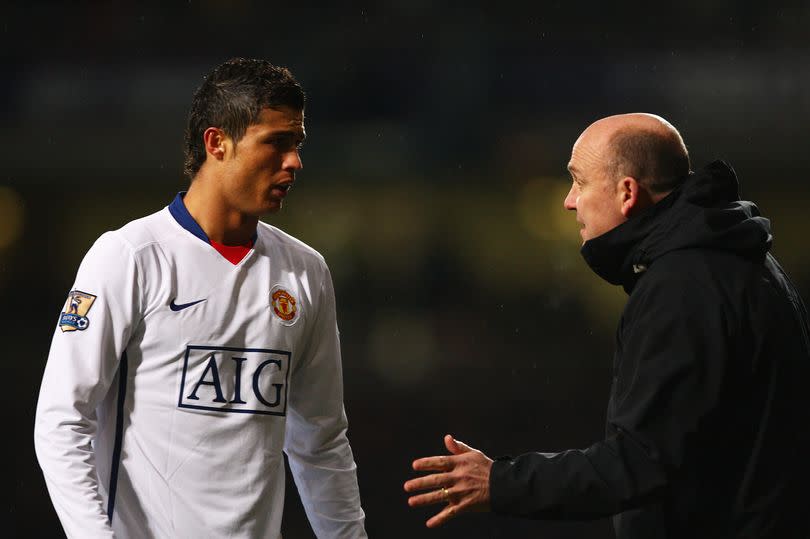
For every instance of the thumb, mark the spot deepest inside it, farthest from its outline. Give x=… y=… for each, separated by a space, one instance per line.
x=454 y=446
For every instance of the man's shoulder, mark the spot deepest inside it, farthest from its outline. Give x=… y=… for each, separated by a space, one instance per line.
x=132 y=240
x=707 y=276
x=282 y=240
x=147 y=230
x=699 y=263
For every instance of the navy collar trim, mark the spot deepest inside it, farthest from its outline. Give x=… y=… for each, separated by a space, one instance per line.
x=180 y=213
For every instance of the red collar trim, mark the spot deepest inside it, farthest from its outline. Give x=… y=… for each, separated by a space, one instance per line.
x=233 y=253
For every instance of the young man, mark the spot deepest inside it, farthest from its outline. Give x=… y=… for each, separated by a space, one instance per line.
x=199 y=343
x=706 y=425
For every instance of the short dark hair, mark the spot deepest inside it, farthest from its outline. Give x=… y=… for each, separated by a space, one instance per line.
x=659 y=161
x=231 y=97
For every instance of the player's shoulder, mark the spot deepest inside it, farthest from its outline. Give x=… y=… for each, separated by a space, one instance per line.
x=134 y=240
x=278 y=239
x=144 y=232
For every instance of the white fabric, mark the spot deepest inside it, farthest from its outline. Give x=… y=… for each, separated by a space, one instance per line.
x=203 y=399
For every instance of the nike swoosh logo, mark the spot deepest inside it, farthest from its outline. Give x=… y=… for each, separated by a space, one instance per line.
x=175 y=307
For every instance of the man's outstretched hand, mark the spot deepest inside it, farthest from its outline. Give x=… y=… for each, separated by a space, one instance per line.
x=461 y=481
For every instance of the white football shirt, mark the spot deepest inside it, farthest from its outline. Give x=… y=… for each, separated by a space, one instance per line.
x=175 y=380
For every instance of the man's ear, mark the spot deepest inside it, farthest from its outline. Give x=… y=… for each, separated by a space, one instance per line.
x=633 y=196
x=215 y=141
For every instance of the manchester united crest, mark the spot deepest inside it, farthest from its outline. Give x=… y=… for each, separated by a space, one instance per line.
x=284 y=304
x=74 y=314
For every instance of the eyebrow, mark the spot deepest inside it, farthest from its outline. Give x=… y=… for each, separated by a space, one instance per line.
x=293 y=133
x=572 y=169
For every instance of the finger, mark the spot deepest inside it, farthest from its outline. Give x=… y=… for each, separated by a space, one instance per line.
x=435 y=464
x=430 y=498
x=442 y=516
x=432 y=481
x=456 y=447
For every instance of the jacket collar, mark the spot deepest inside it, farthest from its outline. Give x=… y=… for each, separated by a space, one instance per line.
x=705 y=211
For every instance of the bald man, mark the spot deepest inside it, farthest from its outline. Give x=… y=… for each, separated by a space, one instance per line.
x=707 y=425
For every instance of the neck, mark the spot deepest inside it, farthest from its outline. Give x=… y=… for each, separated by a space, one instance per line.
x=219 y=222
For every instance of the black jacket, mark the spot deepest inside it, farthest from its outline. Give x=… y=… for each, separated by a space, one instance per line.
x=708 y=423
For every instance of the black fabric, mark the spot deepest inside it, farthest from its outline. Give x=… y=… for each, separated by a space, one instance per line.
x=708 y=428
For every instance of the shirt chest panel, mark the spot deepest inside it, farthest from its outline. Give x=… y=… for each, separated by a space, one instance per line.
x=223 y=339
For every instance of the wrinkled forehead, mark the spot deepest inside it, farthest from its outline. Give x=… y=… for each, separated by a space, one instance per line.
x=589 y=149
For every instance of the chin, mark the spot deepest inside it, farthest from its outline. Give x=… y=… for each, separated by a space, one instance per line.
x=267 y=205
x=272 y=207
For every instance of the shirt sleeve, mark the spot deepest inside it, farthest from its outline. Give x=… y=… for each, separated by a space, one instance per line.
x=316 y=444
x=669 y=375
x=88 y=342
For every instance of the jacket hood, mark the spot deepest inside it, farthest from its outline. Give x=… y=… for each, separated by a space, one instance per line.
x=704 y=212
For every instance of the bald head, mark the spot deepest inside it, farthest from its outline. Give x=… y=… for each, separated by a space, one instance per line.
x=621 y=165
x=642 y=146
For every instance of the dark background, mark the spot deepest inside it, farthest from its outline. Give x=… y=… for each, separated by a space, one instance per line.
x=438 y=134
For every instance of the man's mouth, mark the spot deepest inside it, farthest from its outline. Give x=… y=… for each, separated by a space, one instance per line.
x=282 y=188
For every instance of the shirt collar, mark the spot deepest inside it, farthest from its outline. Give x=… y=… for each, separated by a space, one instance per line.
x=180 y=213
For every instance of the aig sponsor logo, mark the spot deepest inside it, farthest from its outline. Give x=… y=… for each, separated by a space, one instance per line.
x=239 y=380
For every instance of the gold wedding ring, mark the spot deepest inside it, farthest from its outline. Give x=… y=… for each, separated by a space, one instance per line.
x=444 y=493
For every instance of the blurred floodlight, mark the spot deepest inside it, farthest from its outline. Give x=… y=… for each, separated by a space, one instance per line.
x=12 y=212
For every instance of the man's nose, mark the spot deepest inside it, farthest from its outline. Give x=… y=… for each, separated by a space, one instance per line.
x=293 y=160
x=570 y=201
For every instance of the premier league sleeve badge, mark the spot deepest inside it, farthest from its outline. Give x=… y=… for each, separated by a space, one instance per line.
x=74 y=314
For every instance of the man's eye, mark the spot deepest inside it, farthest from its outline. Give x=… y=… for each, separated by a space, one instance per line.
x=285 y=143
